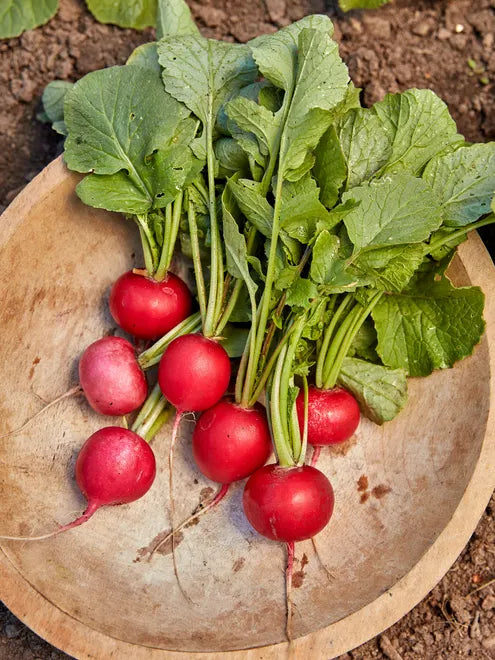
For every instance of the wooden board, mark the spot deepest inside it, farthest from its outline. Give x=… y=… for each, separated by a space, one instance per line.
x=429 y=475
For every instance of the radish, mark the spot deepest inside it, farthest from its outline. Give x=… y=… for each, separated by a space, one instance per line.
x=114 y=466
x=111 y=378
x=288 y=504
x=194 y=373
x=147 y=308
x=333 y=416
x=231 y=442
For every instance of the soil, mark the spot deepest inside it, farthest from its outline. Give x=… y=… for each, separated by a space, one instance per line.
x=440 y=44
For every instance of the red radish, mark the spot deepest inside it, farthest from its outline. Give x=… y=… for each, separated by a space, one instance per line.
x=194 y=373
x=114 y=466
x=111 y=377
x=231 y=442
x=147 y=308
x=333 y=415
x=288 y=504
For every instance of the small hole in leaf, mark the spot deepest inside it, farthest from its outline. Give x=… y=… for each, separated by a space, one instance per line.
x=160 y=195
x=132 y=116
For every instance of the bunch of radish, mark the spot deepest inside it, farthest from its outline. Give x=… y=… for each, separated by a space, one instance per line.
x=309 y=223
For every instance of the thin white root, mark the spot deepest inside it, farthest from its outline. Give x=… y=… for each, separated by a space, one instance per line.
x=330 y=575
x=212 y=503
x=175 y=431
x=72 y=392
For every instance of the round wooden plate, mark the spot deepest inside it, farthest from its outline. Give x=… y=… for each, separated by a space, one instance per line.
x=408 y=494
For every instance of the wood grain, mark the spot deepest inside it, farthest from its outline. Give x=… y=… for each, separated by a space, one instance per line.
x=428 y=476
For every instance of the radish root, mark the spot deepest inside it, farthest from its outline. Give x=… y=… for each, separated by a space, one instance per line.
x=90 y=510
x=330 y=575
x=175 y=431
x=288 y=590
x=315 y=456
x=218 y=497
x=72 y=392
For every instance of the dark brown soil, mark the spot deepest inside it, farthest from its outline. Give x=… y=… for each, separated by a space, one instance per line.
x=441 y=44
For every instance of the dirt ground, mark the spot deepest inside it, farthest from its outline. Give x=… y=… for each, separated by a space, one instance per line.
x=447 y=46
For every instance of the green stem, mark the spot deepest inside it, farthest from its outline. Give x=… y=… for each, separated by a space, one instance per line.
x=147 y=407
x=266 y=297
x=154 y=353
x=304 y=447
x=345 y=345
x=326 y=339
x=246 y=393
x=242 y=368
x=198 y=267
x=294 y=429
x=285 y=378
x=148 y=258
x=163 y=265
x=151 y=243
x=331 y=354
x=440 y=242
x=234 y=296
x=175 y=226
x=160 y=421
x=144 y=429
x=271 y=330
x=283 y=449
x=172 y=222
x=216 y=266
x=269 y=366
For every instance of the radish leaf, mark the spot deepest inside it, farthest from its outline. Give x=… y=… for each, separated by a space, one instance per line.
x=464 y=181
x=203 y=73
x=398 y=209
x=235 y=244
x=320 y=86
x=391 y=268
x=53 y=104
x=138 y=14
x=276 y=54
x=328 y=267
x=428 y=326
x=301 y=208
x=174 y=19
x=16 y=16
x=253 y=205
x=301 y=293
x=330 y=169
x=145 y=56
x=125 y=129
x=381 y=392
x=399 y=134
x=347 y=5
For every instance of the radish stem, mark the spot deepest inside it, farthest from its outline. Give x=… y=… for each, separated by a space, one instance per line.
x=196 y=257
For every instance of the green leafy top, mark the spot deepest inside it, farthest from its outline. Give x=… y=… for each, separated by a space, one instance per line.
x=137 y=14
x=123 y=128
x=326 y=226
x=16 y=16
